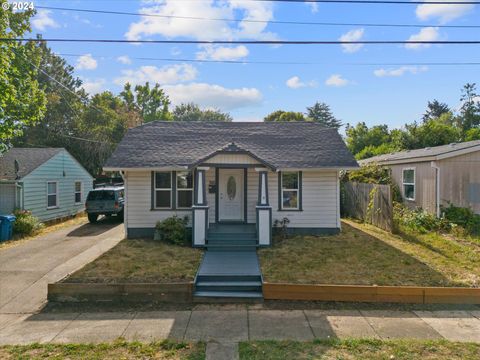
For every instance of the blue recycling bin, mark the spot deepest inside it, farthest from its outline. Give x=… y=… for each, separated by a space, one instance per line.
x=6 y=227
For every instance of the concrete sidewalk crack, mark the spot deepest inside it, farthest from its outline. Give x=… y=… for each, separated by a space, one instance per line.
x=308 y=322
x=188 y=324
x=66 y=326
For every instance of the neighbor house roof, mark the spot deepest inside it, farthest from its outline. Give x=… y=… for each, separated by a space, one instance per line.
x=163 y=144
x=28 y=160
x=425 y=154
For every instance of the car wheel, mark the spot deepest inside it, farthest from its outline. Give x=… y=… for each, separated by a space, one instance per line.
x=92 y=218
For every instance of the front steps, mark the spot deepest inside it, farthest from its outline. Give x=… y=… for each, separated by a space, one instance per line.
x=230 y=271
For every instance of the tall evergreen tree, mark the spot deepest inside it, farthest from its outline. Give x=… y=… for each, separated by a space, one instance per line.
x=321 y=113
x=435 y=109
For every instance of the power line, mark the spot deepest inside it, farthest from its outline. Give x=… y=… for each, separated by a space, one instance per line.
x=252 y=42
x=283 y=22
x=241 y=62
x=392 y=2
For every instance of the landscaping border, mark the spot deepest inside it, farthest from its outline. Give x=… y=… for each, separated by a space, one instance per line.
x=366 y=293
x=91 y=292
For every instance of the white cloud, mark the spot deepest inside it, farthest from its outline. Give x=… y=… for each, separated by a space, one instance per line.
x=400 y=71
x=213 y=96
x=352 y=35
x=86 y=62
x=336 y=80
x=169 y=74
x=94 y=86
x=313 y=7
x=222 y=52
x=198 y=29
x=426 y=34
x=444 y=13
x=124 y=59
x=42 y=20
x=296 y=83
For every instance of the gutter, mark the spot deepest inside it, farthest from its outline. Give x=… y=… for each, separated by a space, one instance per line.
x=433 y=164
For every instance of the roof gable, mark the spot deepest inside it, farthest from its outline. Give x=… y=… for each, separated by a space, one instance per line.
x=28 y=159
x=163 y=144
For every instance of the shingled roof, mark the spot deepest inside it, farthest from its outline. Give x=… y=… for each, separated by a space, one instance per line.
x=28 y=160
x=186 y=144
x=425 y=154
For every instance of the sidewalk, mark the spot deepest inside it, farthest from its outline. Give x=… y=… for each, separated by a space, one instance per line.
x=227 y=325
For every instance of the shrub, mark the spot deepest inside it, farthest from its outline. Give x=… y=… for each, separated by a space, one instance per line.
x=26 y=224
x=463 y=217
x=418 y=220
x=173 y=229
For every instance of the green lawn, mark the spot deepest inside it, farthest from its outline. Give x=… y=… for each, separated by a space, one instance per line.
x=364 y=255
x=118 y=350
x=141 y=261
x=359 y=349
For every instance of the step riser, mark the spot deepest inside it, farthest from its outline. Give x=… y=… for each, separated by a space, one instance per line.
x=238 y=288
x=232 y=238
x=232 y=243
x=230 y=249
x=217 y=234
x=229 y=278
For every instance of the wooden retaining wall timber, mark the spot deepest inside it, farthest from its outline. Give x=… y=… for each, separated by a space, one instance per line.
x=77 y=292
x=360 y=293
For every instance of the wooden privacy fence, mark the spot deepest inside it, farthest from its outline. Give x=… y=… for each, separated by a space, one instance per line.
x=371 y=203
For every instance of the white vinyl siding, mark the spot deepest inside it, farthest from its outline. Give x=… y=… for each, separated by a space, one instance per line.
x=139 y=193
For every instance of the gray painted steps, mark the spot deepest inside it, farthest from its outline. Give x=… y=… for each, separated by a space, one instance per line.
x=229 y=294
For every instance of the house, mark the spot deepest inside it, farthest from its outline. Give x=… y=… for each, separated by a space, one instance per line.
x=434 y=176
x=49 y=182
x=232 y=173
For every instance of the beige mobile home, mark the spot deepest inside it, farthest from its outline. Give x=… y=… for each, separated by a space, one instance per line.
x=431 y=177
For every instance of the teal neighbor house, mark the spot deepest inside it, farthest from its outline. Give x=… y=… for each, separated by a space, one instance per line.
x=49 y=182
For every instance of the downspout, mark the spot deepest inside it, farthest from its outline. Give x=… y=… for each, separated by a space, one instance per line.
x=123 y=174
x=433 y=164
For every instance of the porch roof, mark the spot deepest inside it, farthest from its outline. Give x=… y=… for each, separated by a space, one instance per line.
x=276 y=145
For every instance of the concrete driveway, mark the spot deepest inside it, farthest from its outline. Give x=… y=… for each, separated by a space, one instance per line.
x=26 y=269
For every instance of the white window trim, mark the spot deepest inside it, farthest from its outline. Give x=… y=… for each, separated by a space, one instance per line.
x=296 y=190
x=75 y=191
x=57 y=202
x=155 y=189
x=414 y=183
x=184 y=189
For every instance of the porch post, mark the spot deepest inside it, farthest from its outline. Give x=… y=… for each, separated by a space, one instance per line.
x=199 y=208
x=264 y=210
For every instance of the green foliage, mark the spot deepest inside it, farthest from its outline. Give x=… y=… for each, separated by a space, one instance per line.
x=470 y=111
x=173 y=229
x=22 y=101
x=192 y=112
x=320 y=112
x=431 y=133
x=418 y=220
x=361 y=136
x=371 y=174
x=463 y=217
x=285 y=116
x=472 y=134
x=151 y=103
x=435 y=110
x=26 y=224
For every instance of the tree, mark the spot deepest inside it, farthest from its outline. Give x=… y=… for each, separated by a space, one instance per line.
x=321 y=113
x=360 y=136
x=22 y=101
x=151 y=103
x=435 y=109
x=470 y=111
x=472 y=134
x=192 y=112
x=285 y=116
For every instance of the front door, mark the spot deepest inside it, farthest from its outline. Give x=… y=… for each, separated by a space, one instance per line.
x=230 y=201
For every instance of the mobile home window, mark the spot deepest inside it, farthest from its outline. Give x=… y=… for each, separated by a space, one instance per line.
x=78 y=192
x=409 y=184
x=52 y=194
x=163 y=190
x=290 y=190
x=184 y=189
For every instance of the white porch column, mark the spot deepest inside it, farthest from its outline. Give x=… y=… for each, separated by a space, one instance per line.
x=199 y=208
x=264 y=210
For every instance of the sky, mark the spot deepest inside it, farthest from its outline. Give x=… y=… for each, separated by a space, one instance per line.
x=376 y=94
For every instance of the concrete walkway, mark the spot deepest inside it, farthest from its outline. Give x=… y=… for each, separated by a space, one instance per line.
x=26 y=269
x=223 y=327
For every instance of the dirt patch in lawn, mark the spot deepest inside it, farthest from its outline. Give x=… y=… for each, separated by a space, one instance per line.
x=359 y=349
x=117 y=350
x=362 y=256
x=141 y=261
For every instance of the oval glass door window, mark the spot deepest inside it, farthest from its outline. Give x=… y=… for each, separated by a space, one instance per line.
x=231 y=188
